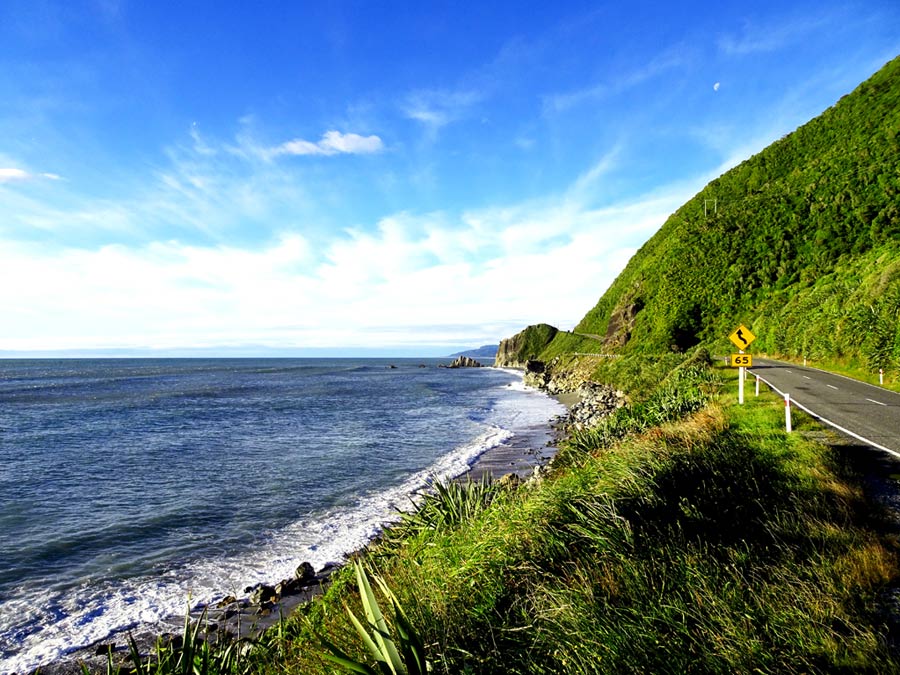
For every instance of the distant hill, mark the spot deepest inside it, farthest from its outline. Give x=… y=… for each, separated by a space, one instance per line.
x=801 y=242
x=483 y=352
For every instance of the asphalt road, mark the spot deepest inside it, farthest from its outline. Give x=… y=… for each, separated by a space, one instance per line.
x=866 y=412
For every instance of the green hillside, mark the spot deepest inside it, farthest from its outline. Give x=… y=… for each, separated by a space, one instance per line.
x=801 y=242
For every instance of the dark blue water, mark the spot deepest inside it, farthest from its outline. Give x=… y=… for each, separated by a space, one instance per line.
x=128 y=485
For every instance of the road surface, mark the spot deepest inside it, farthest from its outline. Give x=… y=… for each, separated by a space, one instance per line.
x=866 y=412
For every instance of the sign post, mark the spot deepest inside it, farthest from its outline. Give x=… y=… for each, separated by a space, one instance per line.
x=741 y=338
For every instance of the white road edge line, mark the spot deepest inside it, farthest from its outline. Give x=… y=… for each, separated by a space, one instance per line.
x=832 y=424
x=831 y=385
x=807 y=377
x=872 y=400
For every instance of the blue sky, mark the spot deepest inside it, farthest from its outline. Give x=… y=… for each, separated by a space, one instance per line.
x=374 y=177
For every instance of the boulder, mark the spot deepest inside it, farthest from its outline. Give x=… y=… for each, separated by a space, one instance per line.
x=305 y=573
x=287 y=587
x=262 y=593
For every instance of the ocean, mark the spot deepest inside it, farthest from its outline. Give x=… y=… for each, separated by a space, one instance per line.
x=130 y=488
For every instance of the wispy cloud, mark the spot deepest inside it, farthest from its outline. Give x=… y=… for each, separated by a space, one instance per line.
x=436 y=108
x=10 y=174
x=586 y=183
x=758 y=38
x=667 y=61
x=332 y=143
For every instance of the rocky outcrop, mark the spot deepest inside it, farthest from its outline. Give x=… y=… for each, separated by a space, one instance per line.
x=552 y=379
x=515 y=351
x=621 y=324
x=464 y=362
x=596 y=401
x=263 y=597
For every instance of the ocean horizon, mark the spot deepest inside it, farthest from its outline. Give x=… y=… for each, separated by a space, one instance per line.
x=131 y=487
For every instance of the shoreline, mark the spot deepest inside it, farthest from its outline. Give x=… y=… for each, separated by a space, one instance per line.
x=521 y=456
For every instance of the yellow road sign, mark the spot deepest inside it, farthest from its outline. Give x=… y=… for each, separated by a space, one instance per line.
x=742 y=337
x=742 y=360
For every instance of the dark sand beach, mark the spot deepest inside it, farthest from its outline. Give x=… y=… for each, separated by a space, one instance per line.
x=519 y=456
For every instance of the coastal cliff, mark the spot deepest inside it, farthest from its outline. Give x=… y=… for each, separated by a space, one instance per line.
x=515 y=351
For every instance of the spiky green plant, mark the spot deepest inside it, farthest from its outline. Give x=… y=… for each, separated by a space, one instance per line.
x=450 y=504
x=403 y=656
x=192 y=655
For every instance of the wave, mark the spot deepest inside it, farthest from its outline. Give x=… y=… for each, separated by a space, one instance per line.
x=51 y=625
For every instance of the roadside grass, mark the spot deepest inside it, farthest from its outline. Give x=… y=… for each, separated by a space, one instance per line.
x=703 y=539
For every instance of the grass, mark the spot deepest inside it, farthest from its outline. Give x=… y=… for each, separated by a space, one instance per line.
x=701 y=539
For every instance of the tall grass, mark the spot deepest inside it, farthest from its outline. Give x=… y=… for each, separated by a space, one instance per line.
x=686 y=389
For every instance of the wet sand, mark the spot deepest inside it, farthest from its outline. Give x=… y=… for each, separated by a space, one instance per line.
x=519 y=455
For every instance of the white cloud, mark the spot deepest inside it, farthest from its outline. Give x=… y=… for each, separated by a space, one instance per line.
x=716 y=86
x=414 y=280
x=332 y=143
x=8 y=175
x=587 y=181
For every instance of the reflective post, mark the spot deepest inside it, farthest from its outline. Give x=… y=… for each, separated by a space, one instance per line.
x=787 y=412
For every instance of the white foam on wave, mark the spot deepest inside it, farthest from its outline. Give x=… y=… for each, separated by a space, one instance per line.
x=532 y=406
x=92 y=614
x=330 y=536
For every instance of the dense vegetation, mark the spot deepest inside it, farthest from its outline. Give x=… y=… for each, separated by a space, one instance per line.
x=801 y=242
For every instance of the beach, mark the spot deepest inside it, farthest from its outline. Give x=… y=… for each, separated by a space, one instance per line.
x=525 y=443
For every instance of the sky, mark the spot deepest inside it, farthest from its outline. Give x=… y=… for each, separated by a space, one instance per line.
x=373 y=178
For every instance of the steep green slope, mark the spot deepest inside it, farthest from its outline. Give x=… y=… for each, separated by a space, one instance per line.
x=801 y=242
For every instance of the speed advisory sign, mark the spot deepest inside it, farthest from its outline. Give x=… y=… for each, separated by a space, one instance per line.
x=742 y=360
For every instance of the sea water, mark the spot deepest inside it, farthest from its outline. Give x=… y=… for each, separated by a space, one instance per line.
x=130 y=488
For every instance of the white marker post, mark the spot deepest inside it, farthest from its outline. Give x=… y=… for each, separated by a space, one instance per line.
x=881 y=376
x=787 y=412
x=757 y=384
